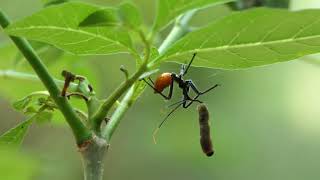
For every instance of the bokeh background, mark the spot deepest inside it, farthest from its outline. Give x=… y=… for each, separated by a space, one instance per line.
x=265 y=121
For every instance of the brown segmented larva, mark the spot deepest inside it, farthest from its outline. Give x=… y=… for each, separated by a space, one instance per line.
x=205 y=138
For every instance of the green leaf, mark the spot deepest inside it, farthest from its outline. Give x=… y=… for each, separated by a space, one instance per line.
x=245 y=4
x=139 y=87
x=147 y=74
x=21 y=104
x=130 y=15
x=46 y=52
x=251 y=38
x=168 y=10
x=27 y=103
x=104 y=17
x=58 y=25
x=43 y=117
x=14 y=136
x=47 y=3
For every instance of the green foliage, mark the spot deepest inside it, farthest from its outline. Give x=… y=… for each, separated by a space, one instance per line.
x=168 y=10
x=58 y=25
x=241 y=40
x=104 y=17
x=125 y=15
x=250 y=38
x=130 y=15
x=52 y=2
x=14 y=136
x=245 y=4
x=22 y=104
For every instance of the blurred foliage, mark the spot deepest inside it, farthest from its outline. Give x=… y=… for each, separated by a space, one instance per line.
x=265 y=121
x=16 y=165
x=245 y=4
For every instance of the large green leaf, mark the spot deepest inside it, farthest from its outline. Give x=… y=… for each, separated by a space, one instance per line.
x=130 y=15
x=58 y=25
x=53 y=2
x=14 y=136
x=104 y=17
x=168 y=10
x=251 y=38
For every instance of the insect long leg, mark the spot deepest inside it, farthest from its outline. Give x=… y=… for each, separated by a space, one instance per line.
x=164 y=96
x=151 y=80
x=199 y=93
x=186 y=70
x=148 y=83
x=195 y=89
x=216 y=85
x=179 y=102
x=163 y=121
x=185 y=105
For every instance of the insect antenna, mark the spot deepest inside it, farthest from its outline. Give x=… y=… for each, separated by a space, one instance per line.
x=163 y=121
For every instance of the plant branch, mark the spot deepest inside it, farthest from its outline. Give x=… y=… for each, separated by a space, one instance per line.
x=118 y=115
x=80 y=132
x=11 y=74
x=179 y=29
x=108 y=103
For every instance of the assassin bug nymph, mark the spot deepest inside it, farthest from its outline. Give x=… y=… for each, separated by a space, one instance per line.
x=167 y=80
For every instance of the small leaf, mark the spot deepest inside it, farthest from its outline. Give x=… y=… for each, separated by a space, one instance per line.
x=14 y=136
x=168 y=10
x=104 y=17
x=47 y=3
x=30 y=110
x=139 y=87
x=58 y=25
x=130 y=15
x=250 y=38
x=43 y=117
x=154 y=53
x=149 y=73
x=21 y=104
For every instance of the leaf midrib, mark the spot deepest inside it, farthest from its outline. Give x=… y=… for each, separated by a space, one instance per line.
x=70 y=30
x=238 y=46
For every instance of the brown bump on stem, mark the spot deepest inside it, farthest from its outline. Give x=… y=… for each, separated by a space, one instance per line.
x=68 y=78
x=106 y=119
x=84 y=145
x=90 y=87
x=205 y=138
x=77 y=94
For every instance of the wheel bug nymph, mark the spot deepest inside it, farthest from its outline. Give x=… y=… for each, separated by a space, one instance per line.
x=167 y=80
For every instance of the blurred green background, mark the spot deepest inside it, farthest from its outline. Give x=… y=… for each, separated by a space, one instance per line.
x=265 y=121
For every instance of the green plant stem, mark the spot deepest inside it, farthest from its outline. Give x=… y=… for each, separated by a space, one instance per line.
x=108 y=103
x=118 y=115
x=180 y=29
x=92 y=158
x=11 y=74
x=80 y=132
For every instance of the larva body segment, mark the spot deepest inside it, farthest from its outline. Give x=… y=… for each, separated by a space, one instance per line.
x=205 y=138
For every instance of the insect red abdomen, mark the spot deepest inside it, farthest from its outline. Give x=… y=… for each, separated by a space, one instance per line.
x=205 y=139
x=163 y=81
